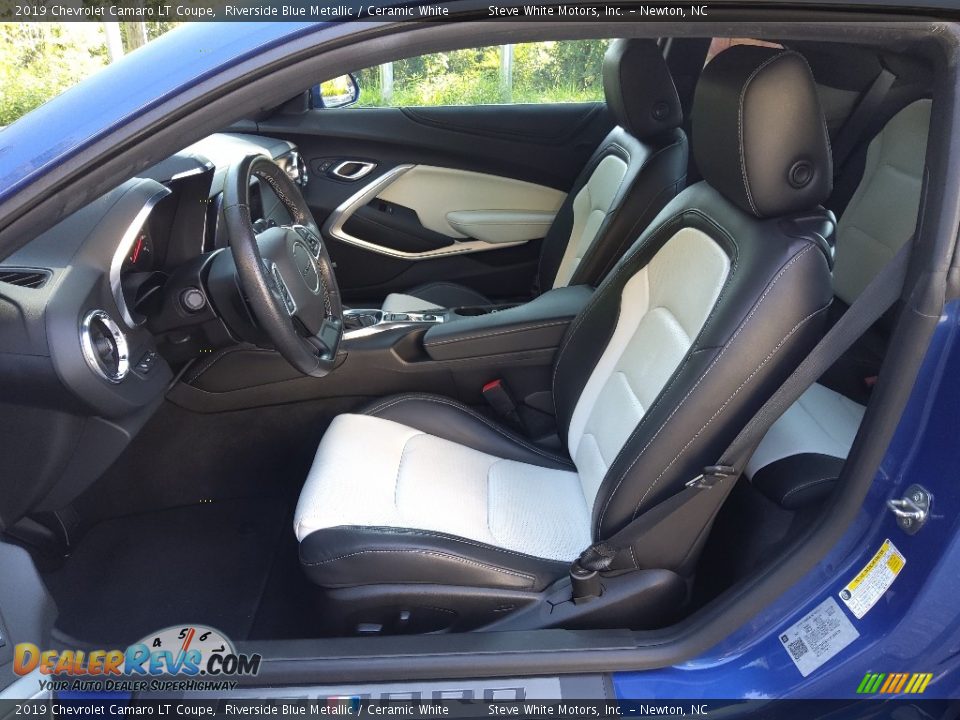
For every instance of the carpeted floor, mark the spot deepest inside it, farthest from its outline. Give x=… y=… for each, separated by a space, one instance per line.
x=207 y=564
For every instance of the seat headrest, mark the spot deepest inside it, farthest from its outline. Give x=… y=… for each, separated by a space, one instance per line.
x=759 y=134
x=639 y=90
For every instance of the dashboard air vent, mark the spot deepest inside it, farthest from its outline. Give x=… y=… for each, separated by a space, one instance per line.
x=24 y=278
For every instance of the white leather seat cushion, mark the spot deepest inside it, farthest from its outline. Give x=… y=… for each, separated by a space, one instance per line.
x=821 y=421
x=373 y=472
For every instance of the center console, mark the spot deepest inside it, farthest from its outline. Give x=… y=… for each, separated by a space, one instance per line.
x=446 y=351
x=478 y=331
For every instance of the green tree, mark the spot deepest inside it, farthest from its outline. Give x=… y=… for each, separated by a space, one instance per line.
x=553 y=71
x=40 y=60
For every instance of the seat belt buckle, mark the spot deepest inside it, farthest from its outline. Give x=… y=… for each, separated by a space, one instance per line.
x=498 y=397
x=711 y=475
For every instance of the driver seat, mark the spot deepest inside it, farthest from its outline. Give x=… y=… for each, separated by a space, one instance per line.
x=420 y=514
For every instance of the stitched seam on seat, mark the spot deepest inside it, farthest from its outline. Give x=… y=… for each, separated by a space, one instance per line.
x=463 y=561
x=455 y=538
x=734 y=267
x=804 y=486
x=725 y=403
x=743 y=95
x=628 y=235
x=713 y=364
x=602 y=154
x=499 y=332
x=442 y=401
x=543 y=248
x=595 y=298
x=618 y=204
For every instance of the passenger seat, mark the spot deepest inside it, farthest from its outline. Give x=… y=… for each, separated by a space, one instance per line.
x=638 y=168
x=798 y=461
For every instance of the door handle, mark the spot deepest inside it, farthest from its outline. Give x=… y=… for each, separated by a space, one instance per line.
x=352 y=169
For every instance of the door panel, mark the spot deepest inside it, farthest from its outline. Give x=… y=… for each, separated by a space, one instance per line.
x=443 y=159
x=422 y=212
x=435 y=192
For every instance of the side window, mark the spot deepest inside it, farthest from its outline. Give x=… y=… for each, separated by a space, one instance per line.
x=719 y=44
x=540 y=72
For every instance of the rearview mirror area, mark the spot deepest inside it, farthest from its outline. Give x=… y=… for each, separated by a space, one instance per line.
x=337 y=92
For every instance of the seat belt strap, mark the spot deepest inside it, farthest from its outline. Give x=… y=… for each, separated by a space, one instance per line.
x=669 y=533
x=860 y=119
x=882 y=292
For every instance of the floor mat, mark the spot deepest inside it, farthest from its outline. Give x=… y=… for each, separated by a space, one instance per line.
x=205 y=564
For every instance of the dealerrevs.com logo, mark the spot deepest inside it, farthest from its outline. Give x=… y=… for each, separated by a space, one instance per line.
x=191 y=657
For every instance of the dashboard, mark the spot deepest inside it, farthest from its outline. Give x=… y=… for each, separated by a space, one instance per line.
x=100 y=313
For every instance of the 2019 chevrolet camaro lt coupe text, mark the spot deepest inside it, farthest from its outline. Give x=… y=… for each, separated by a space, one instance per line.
x=598 y=360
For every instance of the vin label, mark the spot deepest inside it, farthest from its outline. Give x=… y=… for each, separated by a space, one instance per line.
x=818 y=636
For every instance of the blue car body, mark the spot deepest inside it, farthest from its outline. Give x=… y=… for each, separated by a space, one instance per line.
x=915 y=627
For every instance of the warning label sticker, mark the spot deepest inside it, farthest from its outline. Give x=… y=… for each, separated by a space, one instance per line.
x=874 y=580
x=818 y=636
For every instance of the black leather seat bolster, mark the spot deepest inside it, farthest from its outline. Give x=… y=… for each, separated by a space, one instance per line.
x=445 y=418
x=348 y=556
x=798 y=480
x=449 y=295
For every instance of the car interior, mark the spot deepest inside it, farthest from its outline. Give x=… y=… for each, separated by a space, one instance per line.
x=350 y=371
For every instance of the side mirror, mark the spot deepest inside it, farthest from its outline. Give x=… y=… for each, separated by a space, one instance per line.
x=337 y=92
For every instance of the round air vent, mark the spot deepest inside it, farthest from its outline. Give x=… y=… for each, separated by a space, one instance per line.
x=104 y=346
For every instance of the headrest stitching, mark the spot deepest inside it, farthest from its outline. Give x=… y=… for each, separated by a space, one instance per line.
x=743 y=94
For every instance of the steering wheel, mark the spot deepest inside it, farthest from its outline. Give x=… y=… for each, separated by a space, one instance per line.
x=285 y=271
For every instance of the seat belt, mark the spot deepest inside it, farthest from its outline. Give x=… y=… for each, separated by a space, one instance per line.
x=669 y=534
x=863 y=115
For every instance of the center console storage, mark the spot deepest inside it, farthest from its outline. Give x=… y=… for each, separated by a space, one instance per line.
x=540 y=323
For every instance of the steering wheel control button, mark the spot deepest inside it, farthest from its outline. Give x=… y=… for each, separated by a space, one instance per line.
x=192 y=300
x=310 y=238
x=282 y=289
x=104 y=346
